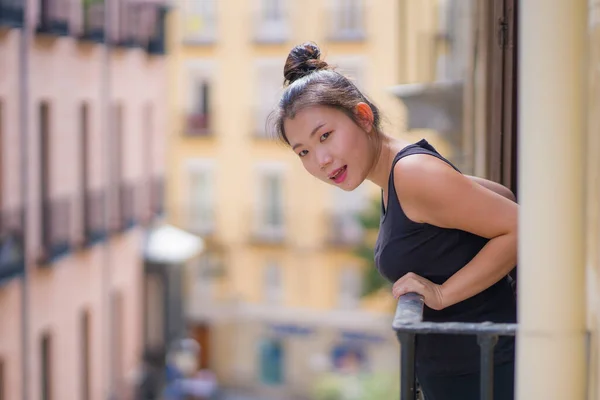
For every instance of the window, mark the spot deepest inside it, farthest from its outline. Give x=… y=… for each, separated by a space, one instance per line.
x=270 y=217
x=199 y=20
x=272 y=21
x=46 y=386
x=271 y=358
x=44 y=132
x=198 y=88
x=350 y=286
x=85 y=355
x=268 y=91
x=116 y=160
x=347 y=19
x=44 y=170
x=200 y=217
x=83 y=160
x=273 y=285
x=117 y=313
x=206 y=269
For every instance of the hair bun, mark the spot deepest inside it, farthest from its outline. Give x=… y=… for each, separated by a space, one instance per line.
x=303 y=60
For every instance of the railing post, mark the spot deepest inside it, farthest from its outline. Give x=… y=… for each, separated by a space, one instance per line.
x=487 y=344
x=407 y=366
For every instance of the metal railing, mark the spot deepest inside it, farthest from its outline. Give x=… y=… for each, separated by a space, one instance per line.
x=11 y=13
x=408 y=323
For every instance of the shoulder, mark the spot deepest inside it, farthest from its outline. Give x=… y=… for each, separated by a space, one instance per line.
x=432 y=191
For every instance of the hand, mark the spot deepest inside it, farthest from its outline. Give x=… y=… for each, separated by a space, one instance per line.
x=413 y=283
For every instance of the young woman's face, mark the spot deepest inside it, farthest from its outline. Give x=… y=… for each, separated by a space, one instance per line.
x=331 y=146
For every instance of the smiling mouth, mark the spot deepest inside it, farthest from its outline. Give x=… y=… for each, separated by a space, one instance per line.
x=339 y=174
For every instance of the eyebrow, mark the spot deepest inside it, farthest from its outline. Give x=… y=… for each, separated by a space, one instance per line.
x=311 y=135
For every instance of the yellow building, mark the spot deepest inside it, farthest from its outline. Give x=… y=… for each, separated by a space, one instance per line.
x=279 y=270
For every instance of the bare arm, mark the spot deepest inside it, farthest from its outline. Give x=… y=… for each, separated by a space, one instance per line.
x=494 y=187
x=432 y=192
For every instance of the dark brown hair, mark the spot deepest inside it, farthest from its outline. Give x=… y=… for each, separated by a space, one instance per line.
x=310 y=81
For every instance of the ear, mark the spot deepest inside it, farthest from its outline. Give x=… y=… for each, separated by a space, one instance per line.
x=365 y=116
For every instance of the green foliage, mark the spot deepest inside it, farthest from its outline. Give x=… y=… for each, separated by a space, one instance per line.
x=375 y=386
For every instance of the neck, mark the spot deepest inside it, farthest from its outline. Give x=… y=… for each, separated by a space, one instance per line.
x=380 y=172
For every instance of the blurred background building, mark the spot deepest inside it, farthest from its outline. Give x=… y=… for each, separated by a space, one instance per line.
x=82 y=128
x=126 y=126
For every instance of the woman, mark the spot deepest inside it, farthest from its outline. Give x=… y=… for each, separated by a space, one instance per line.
x=444 y=235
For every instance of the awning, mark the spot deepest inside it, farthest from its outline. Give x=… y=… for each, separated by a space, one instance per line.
x=167 y=244
x=437 y=106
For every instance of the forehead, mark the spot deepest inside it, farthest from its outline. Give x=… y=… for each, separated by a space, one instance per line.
x=308 y=118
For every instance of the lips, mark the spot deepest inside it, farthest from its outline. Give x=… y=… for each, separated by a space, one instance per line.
x=339 y=174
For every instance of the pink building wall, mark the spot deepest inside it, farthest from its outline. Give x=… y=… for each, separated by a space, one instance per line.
x=65 y=71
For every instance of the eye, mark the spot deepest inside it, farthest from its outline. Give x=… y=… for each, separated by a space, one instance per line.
x=303 y=153
x=324 y=136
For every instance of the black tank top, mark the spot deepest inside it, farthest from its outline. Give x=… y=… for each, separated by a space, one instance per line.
x=436 y=254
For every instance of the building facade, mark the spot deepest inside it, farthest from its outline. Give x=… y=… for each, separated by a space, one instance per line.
x=82 y=122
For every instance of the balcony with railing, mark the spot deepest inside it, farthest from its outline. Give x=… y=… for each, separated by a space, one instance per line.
x=54 y=17
x=197 y=124
x=56 y=233
x=12 y=246
x=93 y=21
x=408 y=323
x=94 y=217
x=156 y=43
x=11 y=13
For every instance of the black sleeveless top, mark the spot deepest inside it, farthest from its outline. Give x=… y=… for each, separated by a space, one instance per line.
x=436 y=254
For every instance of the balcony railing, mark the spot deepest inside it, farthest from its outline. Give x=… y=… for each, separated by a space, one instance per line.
x=54 y=17
x=93 y=20
x=408 y=322
x=345 y=230
x=127 y=205
x=197 y=125
x=156 y=44
x=12 y=246
x=11 y=13
x=55 y=229
x=94 y=223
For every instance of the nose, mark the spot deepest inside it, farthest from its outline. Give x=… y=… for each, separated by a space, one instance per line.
x=324 y=160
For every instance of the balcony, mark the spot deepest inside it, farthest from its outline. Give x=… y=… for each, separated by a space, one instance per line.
x=11 y=13
x=156 y=44
x=344 y=230
x=53 y=17
x=94 y=224
x=127 y=206
x=93 y=21
x=55 y=230
x=408 y=322
x=197 y=124
x=12 y=246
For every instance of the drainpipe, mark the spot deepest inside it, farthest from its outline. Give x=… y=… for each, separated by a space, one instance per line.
x=25 y=39
x=107 y=130
x=552 y=300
